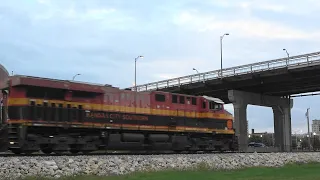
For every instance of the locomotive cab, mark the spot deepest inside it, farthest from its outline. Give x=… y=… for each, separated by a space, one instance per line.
x=213 y=104
x=216 y=106
x=4 y=92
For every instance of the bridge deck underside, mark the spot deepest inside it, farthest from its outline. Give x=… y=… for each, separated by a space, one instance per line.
x=279 y=82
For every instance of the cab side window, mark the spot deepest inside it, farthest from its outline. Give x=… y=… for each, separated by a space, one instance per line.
x=211 y=105
x=160 y=97
x=193 y=101
x=204 y=105
x=181 y=99
x=174 y=99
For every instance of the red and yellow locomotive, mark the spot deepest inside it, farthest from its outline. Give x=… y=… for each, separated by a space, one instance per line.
x=57 y=116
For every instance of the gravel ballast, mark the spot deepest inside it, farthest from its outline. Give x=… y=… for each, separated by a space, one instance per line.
x=58 y=166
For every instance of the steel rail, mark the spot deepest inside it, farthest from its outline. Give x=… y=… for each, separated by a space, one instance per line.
x=291 y=62
x=260 y=150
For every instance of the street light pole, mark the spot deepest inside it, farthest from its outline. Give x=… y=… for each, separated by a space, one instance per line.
x=197 y=72
x=221 y=37
x=287 y=55
x=135 y=72
x=75 y=76
x=314 y=140
x=309 y=141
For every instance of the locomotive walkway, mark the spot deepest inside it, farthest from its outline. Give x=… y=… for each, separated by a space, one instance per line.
x=269 y=83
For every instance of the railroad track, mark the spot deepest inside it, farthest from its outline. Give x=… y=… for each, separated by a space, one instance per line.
x=9 y=154
x=114 y=153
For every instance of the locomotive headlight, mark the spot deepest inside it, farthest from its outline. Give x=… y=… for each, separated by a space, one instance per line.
x=11 y=142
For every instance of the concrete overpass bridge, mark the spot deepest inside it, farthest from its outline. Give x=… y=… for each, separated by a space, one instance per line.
x=269 y=83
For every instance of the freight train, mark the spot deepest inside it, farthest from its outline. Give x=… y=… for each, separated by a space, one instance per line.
x=56 y=116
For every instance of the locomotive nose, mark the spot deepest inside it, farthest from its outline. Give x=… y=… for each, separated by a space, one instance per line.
x=4 y=75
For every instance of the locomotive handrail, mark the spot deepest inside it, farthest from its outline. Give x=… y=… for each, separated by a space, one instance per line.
x=293 y=61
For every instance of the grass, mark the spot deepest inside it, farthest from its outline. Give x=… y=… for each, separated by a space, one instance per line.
x=289 y=172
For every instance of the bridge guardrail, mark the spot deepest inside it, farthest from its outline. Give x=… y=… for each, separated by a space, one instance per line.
x=294 y=61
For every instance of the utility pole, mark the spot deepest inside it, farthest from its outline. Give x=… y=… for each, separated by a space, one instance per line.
x=296 y=140
x=309 y=141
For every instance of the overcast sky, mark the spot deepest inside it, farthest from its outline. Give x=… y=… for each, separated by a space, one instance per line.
x=101 y=38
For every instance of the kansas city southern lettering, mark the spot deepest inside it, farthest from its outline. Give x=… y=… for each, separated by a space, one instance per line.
x=104 y=115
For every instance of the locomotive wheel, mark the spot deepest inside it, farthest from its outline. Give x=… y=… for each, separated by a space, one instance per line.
x=47 y=150
x=178 y=151
x=86 y=151
x=16 y=151
x=219 y=149
x=59 y=152
x=74 y=151
x=29 y=152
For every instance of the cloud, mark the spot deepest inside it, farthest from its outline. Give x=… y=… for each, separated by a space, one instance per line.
x=245 y=28
x=285 y=7
x=260 y=5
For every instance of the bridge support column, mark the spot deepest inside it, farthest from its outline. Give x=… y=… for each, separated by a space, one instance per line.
x=240 y=124
x=282 y=121
x=282 y=128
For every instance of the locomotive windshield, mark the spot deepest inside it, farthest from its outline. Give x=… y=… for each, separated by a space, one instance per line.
x=214 y=103
x=215 y=106
x=1 y=107
x=3 y=97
